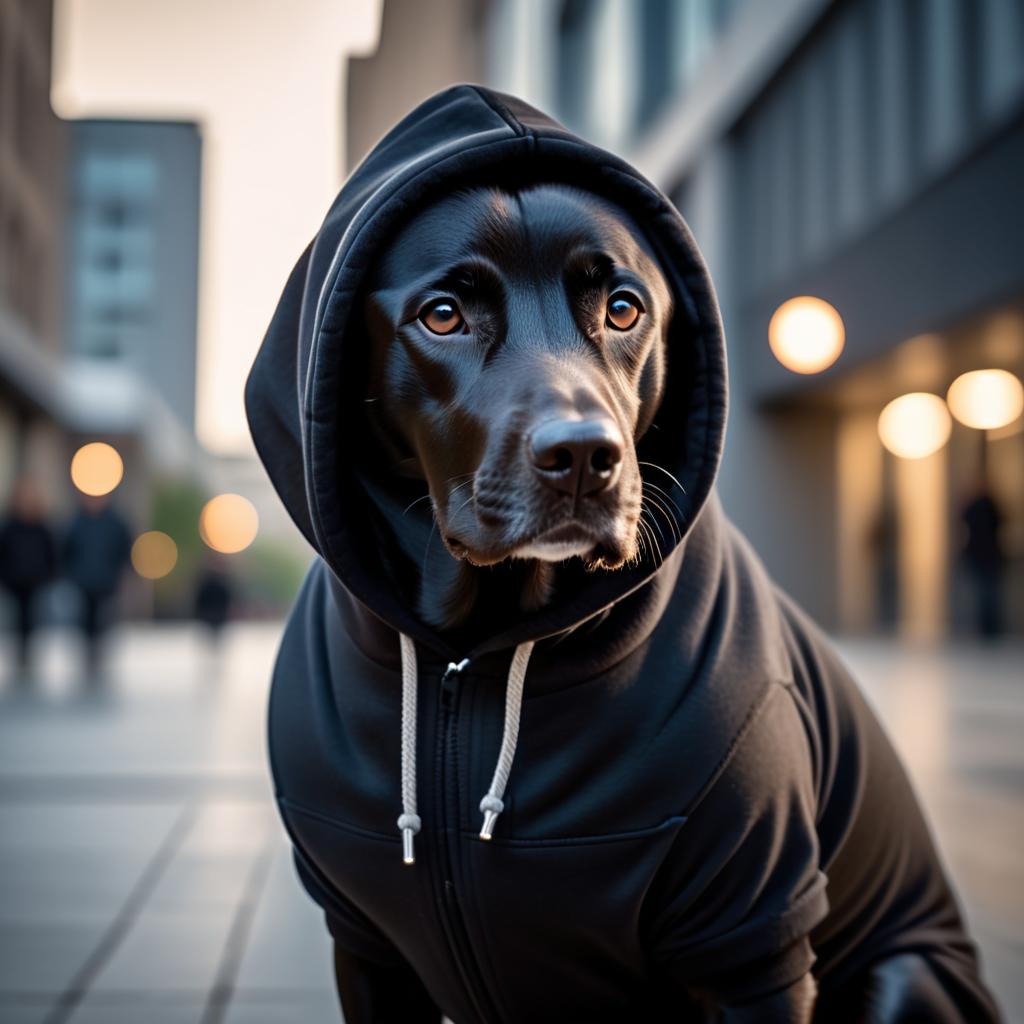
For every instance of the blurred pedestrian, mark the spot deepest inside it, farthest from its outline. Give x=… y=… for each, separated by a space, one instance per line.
x=213 y=597
x=985 y=558
x=95 y=553
x=27 y=561
x=885 y=549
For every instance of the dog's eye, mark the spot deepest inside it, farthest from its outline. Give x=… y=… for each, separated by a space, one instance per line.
x=623 y=311
x=441 y=317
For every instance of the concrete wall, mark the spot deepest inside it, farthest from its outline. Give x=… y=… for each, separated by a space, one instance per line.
x=32 y=153
x=423 y=48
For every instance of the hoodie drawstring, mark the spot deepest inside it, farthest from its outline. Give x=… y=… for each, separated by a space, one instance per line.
x=408 y=821
x=491 y=805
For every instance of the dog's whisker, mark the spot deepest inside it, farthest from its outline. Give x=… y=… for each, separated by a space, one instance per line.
x=426 y=548
x=422 y=497
x=676 y=520
x=652 y=524
x=666 y=496
x=673 y=525
x=662 y=469
x=654 y=505
x=455 y=490
x=641 y=548
x=655 y=547
x=461 y=507
x=638 y=550
x=648 y=505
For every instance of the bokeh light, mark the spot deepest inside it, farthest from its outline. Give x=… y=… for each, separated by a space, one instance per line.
x=228 y=523
x=96 y=468
x=986 y=399
x=154 y=554
x=806 y=334
x=915 y=425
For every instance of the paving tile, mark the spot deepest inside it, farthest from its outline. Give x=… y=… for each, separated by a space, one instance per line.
x=289 y=946
x=50 y=885
x=304 y=1007
x=85 y=825
x=43 y=958
x=198 y=881
x=152 y=1008
x=24 y=1011
x=231 y=826
x=1001 y=968
x=168 y=952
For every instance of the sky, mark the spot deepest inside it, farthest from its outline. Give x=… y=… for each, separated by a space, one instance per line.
x=265 y=80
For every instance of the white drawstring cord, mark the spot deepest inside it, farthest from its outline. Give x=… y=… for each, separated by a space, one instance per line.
x=491 y=805
x=408 y=821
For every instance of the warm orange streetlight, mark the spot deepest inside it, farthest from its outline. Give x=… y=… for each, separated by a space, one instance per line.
x=806 y=334
x=228 y=523
x=96 y=468
x=154 y=555
x=986 y=399
x=915 y=425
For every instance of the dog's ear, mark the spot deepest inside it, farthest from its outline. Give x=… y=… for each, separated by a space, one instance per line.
x=393 y=448
x=652 y=384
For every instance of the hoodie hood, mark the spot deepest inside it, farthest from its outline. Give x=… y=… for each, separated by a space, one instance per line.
x=301 y=395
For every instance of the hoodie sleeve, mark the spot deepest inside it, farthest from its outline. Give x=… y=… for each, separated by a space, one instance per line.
x=738 y=897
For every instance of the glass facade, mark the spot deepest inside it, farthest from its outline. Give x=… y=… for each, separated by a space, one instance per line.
x=133 y=252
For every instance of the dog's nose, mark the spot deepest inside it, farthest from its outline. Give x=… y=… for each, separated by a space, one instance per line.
x=577 y=457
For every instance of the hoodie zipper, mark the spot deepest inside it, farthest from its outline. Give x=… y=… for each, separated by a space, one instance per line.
x=453 y=921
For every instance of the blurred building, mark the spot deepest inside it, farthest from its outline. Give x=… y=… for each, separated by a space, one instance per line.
x=98 y=270
x=32 y=142
x=422 y=48
x=869 y=152
x=131 y=280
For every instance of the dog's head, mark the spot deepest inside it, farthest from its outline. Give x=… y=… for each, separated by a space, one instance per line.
x=517 y=347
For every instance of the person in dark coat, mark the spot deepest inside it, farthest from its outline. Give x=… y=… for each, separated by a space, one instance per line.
x=654 y=794
x=985 y=559
x=95 y=552
x=213 y=596
x=27 y=560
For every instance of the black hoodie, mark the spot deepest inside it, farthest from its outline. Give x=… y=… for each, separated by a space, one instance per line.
x=699 y=800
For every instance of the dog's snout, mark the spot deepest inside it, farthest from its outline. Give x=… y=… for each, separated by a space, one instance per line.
x=577 y=457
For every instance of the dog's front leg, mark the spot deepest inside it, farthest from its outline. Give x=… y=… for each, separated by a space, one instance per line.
x=370 y=993
x=793 y=1005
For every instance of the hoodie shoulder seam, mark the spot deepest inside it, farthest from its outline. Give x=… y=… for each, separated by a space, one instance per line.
x=753 y=715
x=501 y=110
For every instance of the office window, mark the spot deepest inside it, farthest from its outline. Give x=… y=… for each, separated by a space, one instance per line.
x=574 y=56
x=655 y=58
x=1001 y=44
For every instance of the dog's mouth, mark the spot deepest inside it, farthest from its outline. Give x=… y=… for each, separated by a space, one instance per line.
x=597 y=549
x=566 y=541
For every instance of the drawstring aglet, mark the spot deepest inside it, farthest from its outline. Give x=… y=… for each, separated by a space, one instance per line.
x=410 y=825
x=492 y=807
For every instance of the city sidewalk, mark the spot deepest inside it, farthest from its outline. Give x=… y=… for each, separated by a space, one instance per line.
x=144 y=878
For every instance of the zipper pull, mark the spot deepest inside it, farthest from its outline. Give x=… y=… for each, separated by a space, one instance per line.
x=450 y=682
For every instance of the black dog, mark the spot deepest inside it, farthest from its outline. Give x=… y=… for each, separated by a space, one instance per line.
x=510 y=405
x=517 y=351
